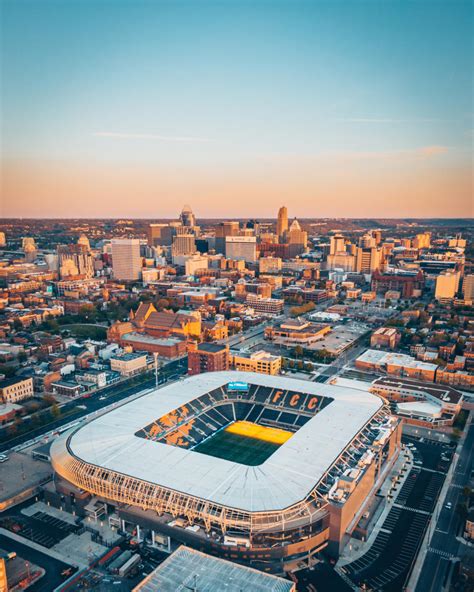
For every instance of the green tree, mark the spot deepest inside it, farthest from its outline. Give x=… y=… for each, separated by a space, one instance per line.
x=55 y=411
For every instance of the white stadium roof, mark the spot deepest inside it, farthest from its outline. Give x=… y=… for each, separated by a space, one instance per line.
x=284 y=479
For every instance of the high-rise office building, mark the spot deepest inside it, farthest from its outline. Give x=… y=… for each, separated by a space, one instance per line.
x=377 y=234
x=447 y=285
x=344 y=261
x=282 y=222
x=297 y=239
x=224 y=229
x=422 y=241
x=468 y=287
x=368 y=259
x=159 y=235
x=337 y=244
x=183 y=244
x=187 y=217
x=241 y=248
x=3 y=240
x=126 y=259
x=367 y=241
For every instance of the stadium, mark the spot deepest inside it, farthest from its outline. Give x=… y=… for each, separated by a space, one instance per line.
x=265 y=470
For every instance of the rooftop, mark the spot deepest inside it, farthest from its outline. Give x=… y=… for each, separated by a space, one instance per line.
x=439 y=391
x=284 y=479
x=10 y=381
x=143 y=338
x=381 y=358
x=212 y=348
x=187 y=569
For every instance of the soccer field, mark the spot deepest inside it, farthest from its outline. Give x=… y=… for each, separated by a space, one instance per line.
x=244 y=442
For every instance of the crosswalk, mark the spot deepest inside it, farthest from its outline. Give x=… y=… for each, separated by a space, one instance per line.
x=441 y=553
x=412 y=509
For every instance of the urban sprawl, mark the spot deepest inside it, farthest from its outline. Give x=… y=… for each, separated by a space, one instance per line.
x=272 y=404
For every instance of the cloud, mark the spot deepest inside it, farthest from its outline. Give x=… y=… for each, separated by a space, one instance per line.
x=423 y=152
x=159 y=137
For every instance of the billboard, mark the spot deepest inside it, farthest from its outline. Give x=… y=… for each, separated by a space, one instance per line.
x=241 y=387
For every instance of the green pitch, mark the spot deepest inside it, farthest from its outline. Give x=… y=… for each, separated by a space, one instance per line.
x=237 y=448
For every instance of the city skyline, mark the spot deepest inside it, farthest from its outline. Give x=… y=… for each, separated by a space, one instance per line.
x=335 y=109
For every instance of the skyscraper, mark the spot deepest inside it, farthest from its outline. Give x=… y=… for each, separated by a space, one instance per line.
x=183 y=244
x=337 y=244
x=126 y=260
x=297 y=239
x=241 y=248
x=368 y=259
x=282 y=222
x=468 y=287
x=187 y=217
x=159 y=234
x=229 y=228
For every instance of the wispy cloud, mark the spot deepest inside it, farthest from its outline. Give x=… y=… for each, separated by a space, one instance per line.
x=422 y=152
x=157 y=137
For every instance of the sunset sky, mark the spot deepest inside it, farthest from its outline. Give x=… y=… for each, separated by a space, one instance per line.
x=112 y=108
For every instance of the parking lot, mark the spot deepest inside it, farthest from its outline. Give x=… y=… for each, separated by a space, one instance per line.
x=388 y=562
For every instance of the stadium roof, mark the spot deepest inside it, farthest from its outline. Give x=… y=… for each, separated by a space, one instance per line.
x=187 y=568
x=284 y=479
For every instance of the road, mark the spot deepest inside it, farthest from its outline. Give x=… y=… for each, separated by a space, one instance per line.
x=99 y=400
x=52 y=578
x=339 y=365
x=444 y=548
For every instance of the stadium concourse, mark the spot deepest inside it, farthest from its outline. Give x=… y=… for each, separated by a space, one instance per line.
x=264 y=470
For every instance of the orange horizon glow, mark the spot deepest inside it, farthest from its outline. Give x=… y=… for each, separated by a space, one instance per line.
x=391 y=186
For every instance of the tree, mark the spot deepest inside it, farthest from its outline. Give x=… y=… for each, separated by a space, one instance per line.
x=55 y=411
x=298 y=351
x=162 y=303
x=49 y=399
x=22 y=357
x=17 y=325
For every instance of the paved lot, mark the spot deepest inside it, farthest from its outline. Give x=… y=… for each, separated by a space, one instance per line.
x=444 y=549
x=390 y=559
x=53 y=568
x=322 y=578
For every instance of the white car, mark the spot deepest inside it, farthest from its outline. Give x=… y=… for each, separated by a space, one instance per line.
x=448 y=506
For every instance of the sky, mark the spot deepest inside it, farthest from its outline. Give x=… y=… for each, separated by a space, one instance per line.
x=334 y=108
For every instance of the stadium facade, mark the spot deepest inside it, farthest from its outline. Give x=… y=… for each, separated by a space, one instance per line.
x=264 y=470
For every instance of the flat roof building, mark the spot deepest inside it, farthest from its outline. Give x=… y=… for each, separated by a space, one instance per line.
x=193 y=570
x=126 y=260
x=208 y=357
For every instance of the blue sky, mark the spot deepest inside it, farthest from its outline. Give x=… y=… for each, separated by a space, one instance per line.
x=204 y=89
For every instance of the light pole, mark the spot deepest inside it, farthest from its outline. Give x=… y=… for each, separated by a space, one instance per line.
x=155 y=355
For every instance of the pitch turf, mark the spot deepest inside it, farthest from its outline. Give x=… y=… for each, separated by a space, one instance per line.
x=244 y=442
